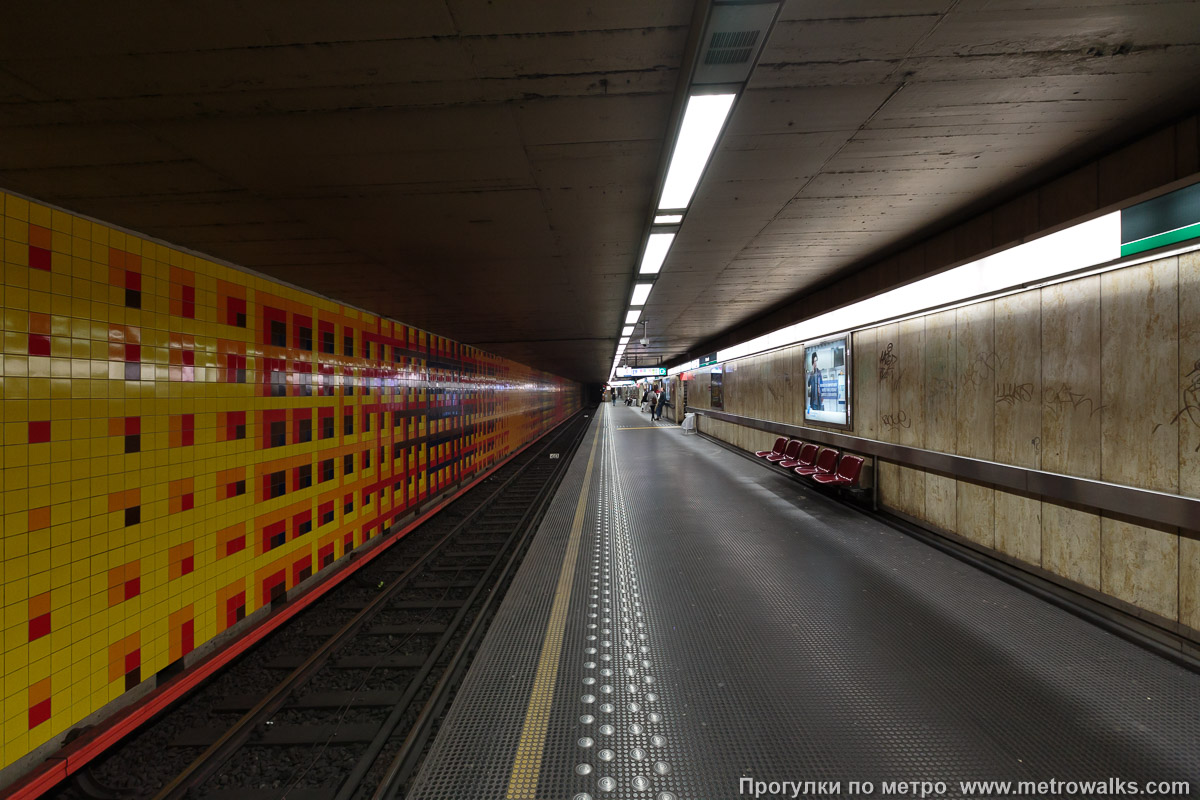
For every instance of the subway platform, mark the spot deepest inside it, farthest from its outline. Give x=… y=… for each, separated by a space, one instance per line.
x=691 y=624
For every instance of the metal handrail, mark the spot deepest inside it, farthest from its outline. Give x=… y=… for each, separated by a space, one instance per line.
x=1124 y=501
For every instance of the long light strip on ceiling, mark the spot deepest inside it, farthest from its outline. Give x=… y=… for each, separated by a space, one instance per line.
x=656 y=252
x=632 y=316
x=627 y=330
x=640 y=292
x=668 y=219
x=702 y=123
x=1064 y=252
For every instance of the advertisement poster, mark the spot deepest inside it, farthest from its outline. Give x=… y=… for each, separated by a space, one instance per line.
x=716 y=387
x=826 y=382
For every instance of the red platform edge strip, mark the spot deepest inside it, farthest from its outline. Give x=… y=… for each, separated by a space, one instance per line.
x=91 y=744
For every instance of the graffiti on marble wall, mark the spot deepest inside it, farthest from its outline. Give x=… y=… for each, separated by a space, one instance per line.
x=1189 y=410
x=1062 y=398
x=1013 y=393
x=887 y=364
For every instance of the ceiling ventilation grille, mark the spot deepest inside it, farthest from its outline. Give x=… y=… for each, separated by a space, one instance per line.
x=733 y=37
x=731 y=47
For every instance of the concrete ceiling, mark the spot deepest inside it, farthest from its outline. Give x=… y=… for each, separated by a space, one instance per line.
x=485 y=169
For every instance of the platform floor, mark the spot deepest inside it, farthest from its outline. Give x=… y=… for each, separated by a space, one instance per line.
x=693 y=619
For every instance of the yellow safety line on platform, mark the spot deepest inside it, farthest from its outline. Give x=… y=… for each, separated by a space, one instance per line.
x=523 y=782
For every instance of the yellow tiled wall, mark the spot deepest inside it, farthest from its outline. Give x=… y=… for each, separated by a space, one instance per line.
x=160 y=480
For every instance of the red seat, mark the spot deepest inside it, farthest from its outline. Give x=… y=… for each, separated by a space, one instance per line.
x=793 y=447
x=826 y=463
x=780 y=443
x=847 y=472
x=806 y=458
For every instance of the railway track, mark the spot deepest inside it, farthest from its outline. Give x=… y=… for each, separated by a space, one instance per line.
x=341 y=701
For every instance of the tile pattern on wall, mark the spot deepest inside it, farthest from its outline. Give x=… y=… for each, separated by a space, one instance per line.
x=184 y=442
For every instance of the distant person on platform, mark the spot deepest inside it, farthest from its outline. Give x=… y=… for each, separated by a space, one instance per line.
x=614 y=396
x=814 y=386
x=662 y=403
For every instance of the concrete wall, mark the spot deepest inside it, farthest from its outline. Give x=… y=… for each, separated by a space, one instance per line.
x=1097 y=377
x=139 y=385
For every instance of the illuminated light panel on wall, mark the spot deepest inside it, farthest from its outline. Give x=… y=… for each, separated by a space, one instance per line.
x=640 y=292
x=702 y=123
x=656 y=252
x=1064 y=252
x=627 y=330
x=668 y=219
x=632 y=316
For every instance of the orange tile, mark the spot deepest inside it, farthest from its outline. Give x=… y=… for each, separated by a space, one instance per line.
x=39 y=236
x=116 y=426
x=39 y=323
x=39 y=605
x=116 y=501
x=39 y=518
x=133 y=497
x=116 y=661
x=39 y=692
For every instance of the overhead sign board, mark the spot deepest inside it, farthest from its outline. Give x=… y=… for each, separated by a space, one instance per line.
x=641 y=372
x=711 y=358
x=1169 y=219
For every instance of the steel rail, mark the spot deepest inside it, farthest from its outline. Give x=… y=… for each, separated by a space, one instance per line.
x=406 y=758
x=218 y=753
x=509 y=555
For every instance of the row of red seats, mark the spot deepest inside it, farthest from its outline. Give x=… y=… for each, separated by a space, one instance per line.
x=822 y=463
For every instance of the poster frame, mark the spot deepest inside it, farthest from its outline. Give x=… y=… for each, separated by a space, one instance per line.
x=848 y=425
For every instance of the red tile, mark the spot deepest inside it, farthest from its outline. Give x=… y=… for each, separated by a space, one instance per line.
x=39 y=627
x=133 y=588
x=133 y=660
x=39 y=713
x=39 y=345
x=39 y=258
x=39 y=432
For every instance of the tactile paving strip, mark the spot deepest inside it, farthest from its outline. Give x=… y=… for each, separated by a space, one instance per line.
x=791 y=639
x=626 y=740
x=472 y=756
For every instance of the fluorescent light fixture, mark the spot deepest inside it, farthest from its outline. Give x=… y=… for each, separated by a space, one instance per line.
x=627 y=330
x=656 y=252
x=632 y=316
x=702 y=122
x=1079 y=247
x=624 y=341
x=668 y=219
x=640 y=292
x=1035 y=263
